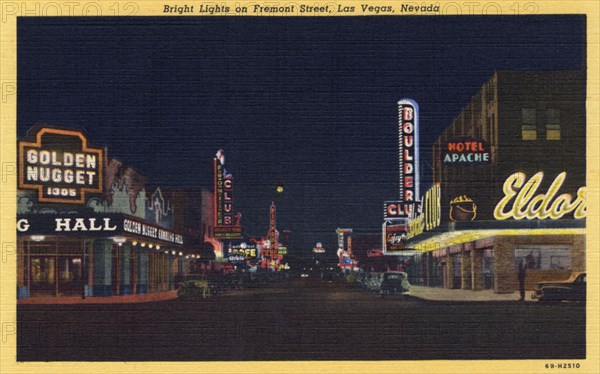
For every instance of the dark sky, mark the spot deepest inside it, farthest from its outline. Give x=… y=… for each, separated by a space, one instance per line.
x=310 y=102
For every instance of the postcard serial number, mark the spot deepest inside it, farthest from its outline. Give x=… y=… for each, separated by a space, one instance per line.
x=563 y=365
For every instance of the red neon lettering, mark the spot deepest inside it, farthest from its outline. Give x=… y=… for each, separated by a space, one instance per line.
x=408 y=195
x=392 y=210
x=408 y=182
x=407 y=114
x=408 y=141
x=407 y=156
x=407 y=128
x=408 y=168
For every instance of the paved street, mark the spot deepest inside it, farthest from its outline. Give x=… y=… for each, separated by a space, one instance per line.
x=300 y=319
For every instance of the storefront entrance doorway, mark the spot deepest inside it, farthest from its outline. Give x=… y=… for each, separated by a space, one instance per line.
x=55 y=268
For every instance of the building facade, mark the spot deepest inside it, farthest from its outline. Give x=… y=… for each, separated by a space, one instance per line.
x=510 y=172
x=87 y=224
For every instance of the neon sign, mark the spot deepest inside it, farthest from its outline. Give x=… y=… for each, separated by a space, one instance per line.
x=318 y=248
x=399 y=209
x=227 y=225
x=408 y=146
x=272 y=223
x=466 y=151
x=60 y=165
x=242 y=252
x=528 y=205
x=395 y=237
x=431 y=216
x=462 y=208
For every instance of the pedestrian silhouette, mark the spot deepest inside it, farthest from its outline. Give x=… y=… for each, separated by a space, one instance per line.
x=522 y=270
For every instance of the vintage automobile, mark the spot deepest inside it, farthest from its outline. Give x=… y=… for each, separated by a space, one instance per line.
x=373 y=282
x=571 y=289
x=394 y=283
x=194 y=288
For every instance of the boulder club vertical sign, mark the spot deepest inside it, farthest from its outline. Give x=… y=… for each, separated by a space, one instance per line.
x=60 y=165
x=408 y=146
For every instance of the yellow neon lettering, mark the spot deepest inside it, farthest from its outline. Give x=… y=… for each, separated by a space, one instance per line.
x=534 y=206
x=546 y=208
x=542 y=206
x=526 y=193
x=580 y=203
x=517 y=180
x=560 y=206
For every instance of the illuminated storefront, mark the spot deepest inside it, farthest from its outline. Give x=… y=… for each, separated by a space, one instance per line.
x=85 y=225
x=510 y=172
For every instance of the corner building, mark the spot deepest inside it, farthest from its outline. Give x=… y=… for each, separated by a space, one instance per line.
x=73 y=240
x=511 y=169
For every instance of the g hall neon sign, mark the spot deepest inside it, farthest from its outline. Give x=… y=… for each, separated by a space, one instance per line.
x=521 y=201
x=408 y=146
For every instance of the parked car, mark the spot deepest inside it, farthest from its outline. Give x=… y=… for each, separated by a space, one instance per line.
x=194 y=288
x=572 y=289
x=394 y=283
x=373 y=283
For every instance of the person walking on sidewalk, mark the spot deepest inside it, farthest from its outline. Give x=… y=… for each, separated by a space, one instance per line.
x=522 y=270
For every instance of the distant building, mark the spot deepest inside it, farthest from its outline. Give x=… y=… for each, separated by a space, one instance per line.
x=192 y=216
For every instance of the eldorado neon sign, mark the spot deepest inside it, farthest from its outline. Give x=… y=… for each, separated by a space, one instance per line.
x=530 y=206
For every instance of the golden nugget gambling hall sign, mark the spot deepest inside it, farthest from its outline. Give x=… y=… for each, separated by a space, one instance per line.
x=60 y=165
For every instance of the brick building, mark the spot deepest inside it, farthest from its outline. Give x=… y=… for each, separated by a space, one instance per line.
x=511 y=172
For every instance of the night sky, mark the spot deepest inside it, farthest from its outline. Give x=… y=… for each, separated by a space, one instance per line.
x=310 y=102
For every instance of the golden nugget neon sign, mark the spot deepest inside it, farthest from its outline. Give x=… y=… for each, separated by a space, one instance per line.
x=528 y=205
x=60 y=165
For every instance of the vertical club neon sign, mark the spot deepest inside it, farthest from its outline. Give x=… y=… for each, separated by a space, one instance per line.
x=223 y=192
x=408 y=147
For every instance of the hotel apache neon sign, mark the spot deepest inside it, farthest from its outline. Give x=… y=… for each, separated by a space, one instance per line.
x=60 y=165
x=526 y=204
x=466 y=151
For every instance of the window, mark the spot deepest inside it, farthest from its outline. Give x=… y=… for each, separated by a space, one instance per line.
x=552 y=124
x=456 y=259
x=531 y=258
x=528 y=124
x=544 y=258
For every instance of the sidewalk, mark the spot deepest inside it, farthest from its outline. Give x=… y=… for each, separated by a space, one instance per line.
x=145 y=298
x=444 y=294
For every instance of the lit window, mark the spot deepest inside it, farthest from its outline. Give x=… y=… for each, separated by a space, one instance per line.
x=528 y=124
x=552 y=124
x=529 y=132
